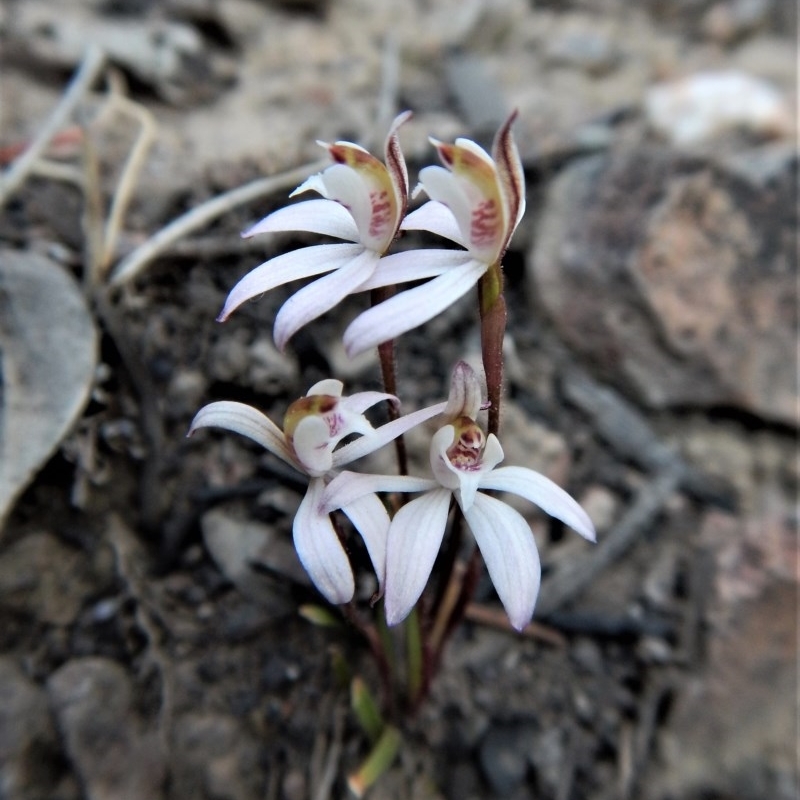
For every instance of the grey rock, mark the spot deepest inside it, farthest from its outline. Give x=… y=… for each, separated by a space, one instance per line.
x=215 y=758
x=504 y=756
x=675 y=279
x=28 y=742
x=43 y=577
x=115 y=758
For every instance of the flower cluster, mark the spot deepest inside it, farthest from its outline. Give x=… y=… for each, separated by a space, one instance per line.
x=476 y=200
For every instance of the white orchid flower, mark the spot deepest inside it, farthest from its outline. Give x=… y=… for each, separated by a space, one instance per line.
x=364 y=203
x=477 y=201
x=313 y=427
x=464 y=463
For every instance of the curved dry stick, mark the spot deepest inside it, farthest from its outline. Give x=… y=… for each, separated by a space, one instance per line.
x=93 y=62
x=201 y=216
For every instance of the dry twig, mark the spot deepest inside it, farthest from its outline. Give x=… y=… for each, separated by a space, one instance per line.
x=91 y=66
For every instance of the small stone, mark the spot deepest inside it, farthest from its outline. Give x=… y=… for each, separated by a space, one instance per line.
x=601 y=504
x=45 y=578
x=29 y=751
x=236 y=544
x=586 y=653
x=701 y=107
x=293 y=786
x=503 y=757
x=115 y=758
x=593 y=52
x=214 y=757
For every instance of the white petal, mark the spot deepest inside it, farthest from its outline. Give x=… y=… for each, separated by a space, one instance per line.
x=346 y=186
x=359 y=402
x=347 y=487
x=411 y=308
x=415 y=536
x=444 y=187
x=444 y=472
x=509 y=550
x=437 y=218
x=492 y=453
x=325 y=217
x=315 y=299
x=414 y=265
x=383 y=435
x=395 y=161
x=371 y=520
x=328 y=386
x=549 y=496
x=313 y=444
x=510 y=173
x=319 y=548
x=247 y=421
x=303 y=263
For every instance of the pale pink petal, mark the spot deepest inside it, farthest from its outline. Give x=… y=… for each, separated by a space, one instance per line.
x=344 y=185
x=303 y=263
x=347 y=487
x=411 y=308
x=444 y=472
x=322 y=295
x=444 y=187
x=396 y=163
x=319 y=548
x=325 y=217
x=371 y=520
x=509 y=550
x=414 y=265
x=541 y=491
x=247 y=421
x=465 y=398
x=329 y=386
x=313 y=444
x=511 y=174
x=383 y=435
x=435 y=217
x=359 y=402
x=415 y=536
x=492 y=453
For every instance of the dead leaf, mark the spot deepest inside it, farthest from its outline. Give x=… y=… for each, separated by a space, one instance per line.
x=48 y=354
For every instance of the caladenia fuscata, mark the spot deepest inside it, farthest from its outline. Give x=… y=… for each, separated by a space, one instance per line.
x=476 y=200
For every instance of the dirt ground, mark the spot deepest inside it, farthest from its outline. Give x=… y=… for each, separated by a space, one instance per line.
x=150 y=641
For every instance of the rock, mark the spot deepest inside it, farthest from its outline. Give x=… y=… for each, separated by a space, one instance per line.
x=587 y=49
x=727 y=22
x=742 y=744
x=215 y=758
x=29 y=754
x=236 y=544
x=674 y=279
x=114 y=757
x=504 y=756
x=601 y=504
x=46 y=579
x=704 y=106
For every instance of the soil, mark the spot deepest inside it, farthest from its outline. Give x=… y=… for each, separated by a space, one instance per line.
x=150 y=640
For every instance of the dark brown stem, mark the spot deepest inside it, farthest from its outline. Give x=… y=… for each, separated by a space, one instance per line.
x=389 y=375
x=493 y=328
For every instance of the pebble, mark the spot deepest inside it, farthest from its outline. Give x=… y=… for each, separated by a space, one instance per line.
x=503 y=757
x=699 y=108
x=91 y=699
